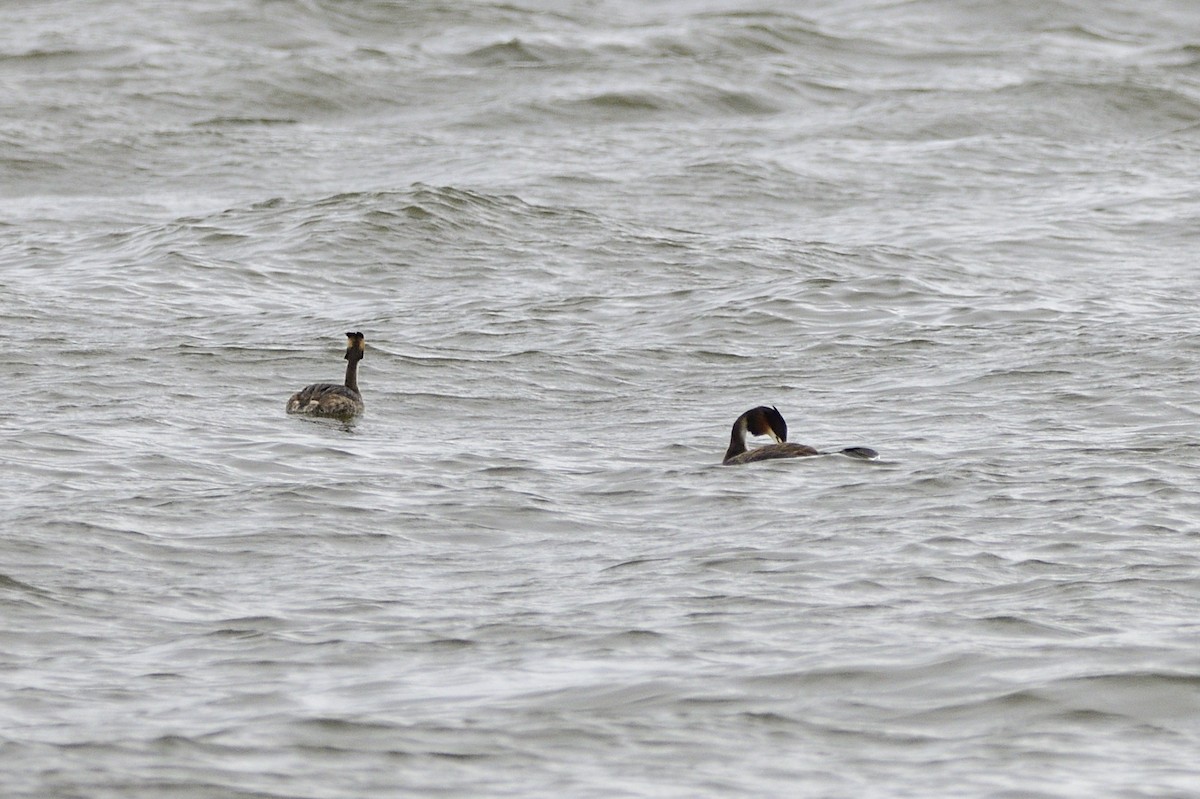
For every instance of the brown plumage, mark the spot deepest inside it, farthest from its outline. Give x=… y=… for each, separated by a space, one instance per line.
x=330 y=399
x=764 y=421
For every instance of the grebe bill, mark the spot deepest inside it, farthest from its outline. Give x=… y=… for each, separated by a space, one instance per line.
x=330 y=399
x=764 y=421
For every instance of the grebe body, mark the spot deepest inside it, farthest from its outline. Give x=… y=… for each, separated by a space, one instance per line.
x=764 y=421
x=331 y=399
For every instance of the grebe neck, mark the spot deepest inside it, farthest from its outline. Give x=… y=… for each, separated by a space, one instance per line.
x=737 y=438
x=352 y=375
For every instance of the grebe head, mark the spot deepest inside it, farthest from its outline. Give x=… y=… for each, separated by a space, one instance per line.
x=354 y=346
x=760 y=421
x=764 y=421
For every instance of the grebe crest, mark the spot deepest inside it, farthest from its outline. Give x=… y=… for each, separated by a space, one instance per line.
x=331 y=399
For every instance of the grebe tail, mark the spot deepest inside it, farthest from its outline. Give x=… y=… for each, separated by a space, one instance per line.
x=330 y=399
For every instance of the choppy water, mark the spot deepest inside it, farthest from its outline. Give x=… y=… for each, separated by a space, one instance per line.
x=581 y=238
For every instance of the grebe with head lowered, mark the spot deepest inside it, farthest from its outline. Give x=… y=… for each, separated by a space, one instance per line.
x=764 y=421
x=330 y=399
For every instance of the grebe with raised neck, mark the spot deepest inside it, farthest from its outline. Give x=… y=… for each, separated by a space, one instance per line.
x=764 y=421
x=330 y=399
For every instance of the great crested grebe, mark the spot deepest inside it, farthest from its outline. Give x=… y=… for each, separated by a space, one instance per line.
x=330 y=399
x=764 y=421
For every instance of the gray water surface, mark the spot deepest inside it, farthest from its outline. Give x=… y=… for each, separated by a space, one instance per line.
x=581 y=238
